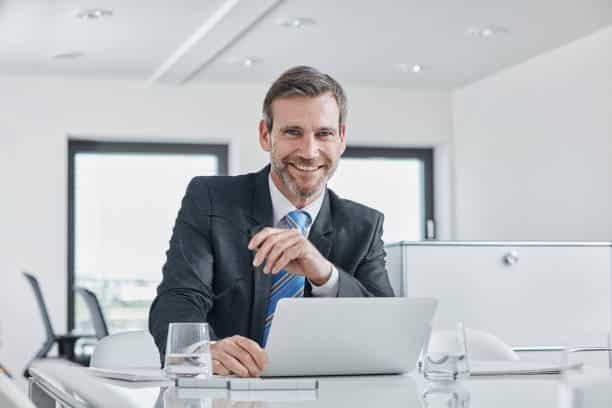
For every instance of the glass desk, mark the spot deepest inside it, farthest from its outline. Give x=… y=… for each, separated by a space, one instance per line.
x=48 y=390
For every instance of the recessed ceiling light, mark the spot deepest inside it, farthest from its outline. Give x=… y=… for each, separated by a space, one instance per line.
x=92 y=14
x=295 y=22
x=415 y=68
x=67 y=55
x=245 y=61
x=486 y=32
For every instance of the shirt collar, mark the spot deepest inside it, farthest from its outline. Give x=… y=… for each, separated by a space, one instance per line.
x=281 y=206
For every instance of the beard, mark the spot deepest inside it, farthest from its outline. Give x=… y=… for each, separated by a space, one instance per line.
x=291 y=183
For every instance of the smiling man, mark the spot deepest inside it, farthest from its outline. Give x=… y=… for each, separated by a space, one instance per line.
x=242 y=243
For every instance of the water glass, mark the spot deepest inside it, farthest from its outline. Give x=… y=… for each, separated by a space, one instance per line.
x=188 y=350
x=447 y=361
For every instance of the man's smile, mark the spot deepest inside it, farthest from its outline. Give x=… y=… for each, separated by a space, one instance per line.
x=304 y=168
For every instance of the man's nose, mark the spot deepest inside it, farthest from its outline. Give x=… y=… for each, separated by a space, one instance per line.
x=309 y=148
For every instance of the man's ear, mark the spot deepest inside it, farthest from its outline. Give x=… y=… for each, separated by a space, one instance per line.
x=265 y=138
x=342 y=139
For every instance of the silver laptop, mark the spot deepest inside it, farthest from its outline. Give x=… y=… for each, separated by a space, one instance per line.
x=347 y=336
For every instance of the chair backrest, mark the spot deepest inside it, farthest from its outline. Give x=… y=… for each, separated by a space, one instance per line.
x=4 y=371
x=588 y=389
x=480 y=345
x=134 y=349
x=11 y=396
x=42 y=307
x=95 y=311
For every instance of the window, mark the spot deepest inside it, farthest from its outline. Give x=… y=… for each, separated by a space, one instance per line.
x=123 y=200
x=396 y=181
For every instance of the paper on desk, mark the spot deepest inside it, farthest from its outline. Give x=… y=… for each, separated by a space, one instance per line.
x=130 y=374
x=517 y=367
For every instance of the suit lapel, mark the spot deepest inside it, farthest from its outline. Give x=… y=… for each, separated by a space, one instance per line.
x=261 y=216
x=322 y=233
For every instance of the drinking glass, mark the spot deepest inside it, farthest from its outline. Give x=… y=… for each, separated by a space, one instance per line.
x=448 y=363
x=188 y=350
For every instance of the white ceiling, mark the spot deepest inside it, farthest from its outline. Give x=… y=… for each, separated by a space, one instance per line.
x=359 y=41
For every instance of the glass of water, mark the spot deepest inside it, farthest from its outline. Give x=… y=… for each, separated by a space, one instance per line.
x=188 y=350
x=447 y=361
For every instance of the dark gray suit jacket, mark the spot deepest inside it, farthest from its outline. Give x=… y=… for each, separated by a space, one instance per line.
x=208 y=275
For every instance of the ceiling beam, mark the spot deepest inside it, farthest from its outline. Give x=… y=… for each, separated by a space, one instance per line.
x=221 y=29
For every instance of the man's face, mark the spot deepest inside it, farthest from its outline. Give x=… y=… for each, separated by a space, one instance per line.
x=305 y=144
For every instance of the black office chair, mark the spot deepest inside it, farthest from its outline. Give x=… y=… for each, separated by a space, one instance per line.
x=95 y=311
x=4 y=371
x=65 y=343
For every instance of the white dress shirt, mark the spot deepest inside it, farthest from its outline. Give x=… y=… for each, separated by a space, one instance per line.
x=281 y=206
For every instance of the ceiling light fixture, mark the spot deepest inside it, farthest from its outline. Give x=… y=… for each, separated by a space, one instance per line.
x=92 y=14
x=248 y=62
x=486 y=32
x=295 y=22
x=245 y=61
x=416 y=68
x=67 y=55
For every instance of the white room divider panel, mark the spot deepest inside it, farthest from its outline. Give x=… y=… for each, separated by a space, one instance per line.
x=527 y=293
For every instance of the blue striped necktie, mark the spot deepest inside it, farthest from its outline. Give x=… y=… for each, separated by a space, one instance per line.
x=285 y=284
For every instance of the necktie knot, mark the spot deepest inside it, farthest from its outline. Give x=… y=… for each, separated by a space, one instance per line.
x=298 y=219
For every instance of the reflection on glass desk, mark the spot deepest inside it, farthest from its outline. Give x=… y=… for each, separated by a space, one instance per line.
x=409 y=390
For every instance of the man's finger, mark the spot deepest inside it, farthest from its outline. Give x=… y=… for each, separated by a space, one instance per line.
x=258 y=354
x=257 y=239
x=244 y=357
x=266 y=246
x=277 y=250
x=219 y=368
x=233 y=365
x=289 y=254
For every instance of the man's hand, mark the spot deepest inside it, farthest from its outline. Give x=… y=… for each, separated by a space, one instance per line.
x=289 y=249
x=238 y=355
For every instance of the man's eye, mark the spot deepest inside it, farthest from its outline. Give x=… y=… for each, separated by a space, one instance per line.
x=293 y=132
x=325 y=133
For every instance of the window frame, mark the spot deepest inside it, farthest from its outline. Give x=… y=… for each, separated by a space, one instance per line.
x=426 y=155
x=75 y=146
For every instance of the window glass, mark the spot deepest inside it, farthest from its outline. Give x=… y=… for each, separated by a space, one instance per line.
x=125 y=205
x=393 y=186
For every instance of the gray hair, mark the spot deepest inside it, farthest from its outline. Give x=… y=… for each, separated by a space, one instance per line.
x=304 y=81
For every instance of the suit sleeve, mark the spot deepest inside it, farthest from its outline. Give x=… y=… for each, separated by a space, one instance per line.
x=370 y=278
x=185 y=293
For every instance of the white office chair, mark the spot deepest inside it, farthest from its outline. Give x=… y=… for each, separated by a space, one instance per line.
x=11 y=396
x=76 y=380
x=586 y=390
x=480 y=345
x=134 y=349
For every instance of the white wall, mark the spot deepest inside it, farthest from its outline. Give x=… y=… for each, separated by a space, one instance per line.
x=36 y=115
x=533 y=148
